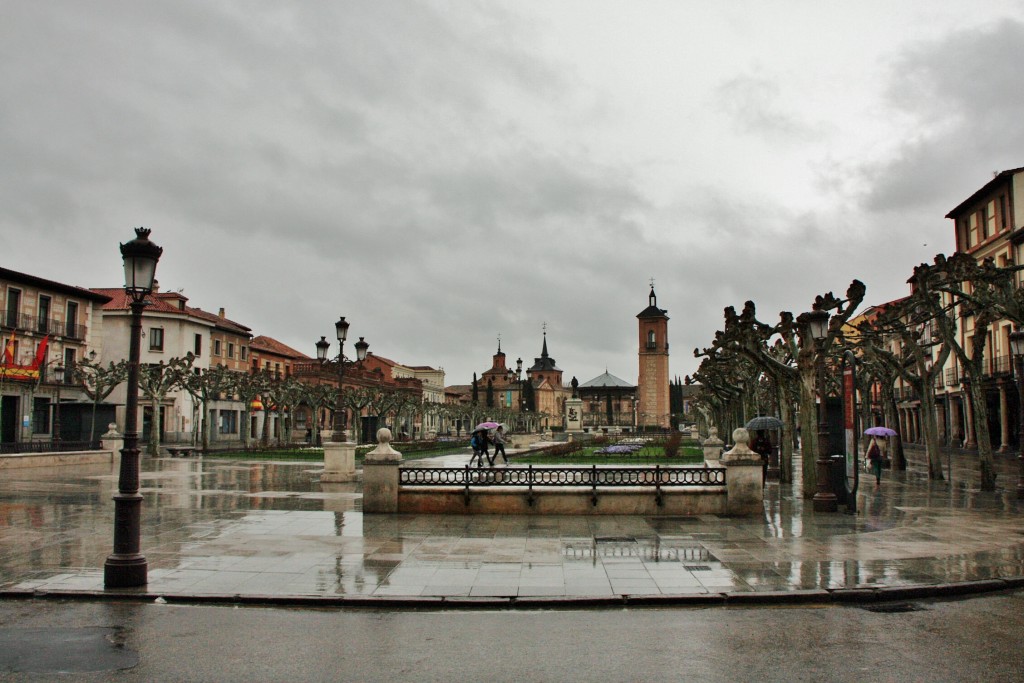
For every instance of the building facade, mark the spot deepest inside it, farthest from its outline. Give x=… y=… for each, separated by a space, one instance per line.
x=47 y=327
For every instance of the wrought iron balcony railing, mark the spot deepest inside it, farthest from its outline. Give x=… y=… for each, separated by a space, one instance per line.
x=29 y=323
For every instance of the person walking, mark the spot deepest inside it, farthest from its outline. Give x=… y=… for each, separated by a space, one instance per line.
x=475 y=442
x=499 y=445
x=875 y=460
x=762 y=445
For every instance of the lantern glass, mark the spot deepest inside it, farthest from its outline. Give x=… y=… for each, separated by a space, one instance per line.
x=817 y=323
x=140 y=257
x=321 y=348
x=1017 y=342
x=341 y=328
x=361 y=347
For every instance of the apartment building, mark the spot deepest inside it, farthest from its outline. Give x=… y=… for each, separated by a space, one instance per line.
x=46 y=328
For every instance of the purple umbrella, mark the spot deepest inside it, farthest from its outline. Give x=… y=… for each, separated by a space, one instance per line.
x=879 y=431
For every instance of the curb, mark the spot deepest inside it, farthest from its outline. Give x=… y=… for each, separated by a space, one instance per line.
x=838 y=597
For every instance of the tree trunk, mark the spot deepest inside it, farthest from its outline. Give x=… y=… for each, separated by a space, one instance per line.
x=986 y=467
x=808 y=430
x=931 y=430
x=892 y=419
x=785 y=439
x=154 y=429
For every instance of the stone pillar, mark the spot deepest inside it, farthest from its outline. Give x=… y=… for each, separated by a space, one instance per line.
x=339 y=461
x=712 y=448
x=1004 y=419
x=113 y=442
x=971 y=441
x=574 y=415
x=380 y=475
x=745 y=492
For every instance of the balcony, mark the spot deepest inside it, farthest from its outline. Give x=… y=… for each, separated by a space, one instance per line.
x=952 y=377
x=23 y=322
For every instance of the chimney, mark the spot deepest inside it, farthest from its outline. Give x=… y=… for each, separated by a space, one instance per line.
x=220 y=313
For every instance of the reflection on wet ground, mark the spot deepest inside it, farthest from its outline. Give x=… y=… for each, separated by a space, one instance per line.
x=270 y=528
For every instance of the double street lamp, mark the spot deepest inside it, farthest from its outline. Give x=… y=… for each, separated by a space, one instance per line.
x=126 y=566
x=1017 y=348
x=322 y=346
x=817 y=325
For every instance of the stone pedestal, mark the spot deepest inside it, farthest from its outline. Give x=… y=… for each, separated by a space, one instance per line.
x=112 y=441
x=380 y=475
x=574 y=415
x=745 y=492
x=339 y=462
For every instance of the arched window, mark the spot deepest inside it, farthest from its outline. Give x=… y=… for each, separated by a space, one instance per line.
x=650 y=339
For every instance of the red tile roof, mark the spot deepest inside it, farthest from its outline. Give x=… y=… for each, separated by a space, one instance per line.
x=270 y=345
x=224 y=323
x=162 y=302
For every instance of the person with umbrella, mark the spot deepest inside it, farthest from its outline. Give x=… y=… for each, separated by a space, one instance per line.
x=874 y=453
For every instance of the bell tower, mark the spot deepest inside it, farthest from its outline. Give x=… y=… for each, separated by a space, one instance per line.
x=653 y=386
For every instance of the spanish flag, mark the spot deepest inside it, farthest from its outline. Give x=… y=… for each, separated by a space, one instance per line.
x=8 y=358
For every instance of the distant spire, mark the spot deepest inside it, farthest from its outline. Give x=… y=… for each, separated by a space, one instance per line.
x=652 y=298
x=544 y=350
x=499 y=343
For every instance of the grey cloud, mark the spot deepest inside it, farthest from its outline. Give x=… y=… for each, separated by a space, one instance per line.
x=962 y=93
x=754 y=104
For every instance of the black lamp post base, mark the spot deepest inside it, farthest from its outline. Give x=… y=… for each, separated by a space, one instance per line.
x=825 y=502
x=125 y=571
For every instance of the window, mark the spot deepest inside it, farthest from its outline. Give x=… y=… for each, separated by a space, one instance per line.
x=651 y=341
x=70 y=359
x=1004 y=217
x=40 y=415
x=13 y=307
x=216 y=347
x=973 y=238
x=243 y=352
x=156 y=339
x=198 y=345
x=71 y=322
x=229 y=422
x=231 y=350
x=43 y=319
x=990 y=218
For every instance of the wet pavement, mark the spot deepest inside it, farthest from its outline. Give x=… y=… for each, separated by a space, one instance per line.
x=270 y=529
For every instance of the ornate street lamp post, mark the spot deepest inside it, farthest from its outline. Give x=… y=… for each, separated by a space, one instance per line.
x=322 y=346
x=825 y=498
x=1017 y=347
x=58 y=376
x=126 y=567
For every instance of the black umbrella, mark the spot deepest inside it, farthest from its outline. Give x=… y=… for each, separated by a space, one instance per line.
x=764 y=422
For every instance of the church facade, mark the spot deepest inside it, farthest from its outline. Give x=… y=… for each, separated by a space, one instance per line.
x=610 y=404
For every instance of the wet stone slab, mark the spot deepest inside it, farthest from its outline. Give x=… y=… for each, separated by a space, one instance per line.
x=270 y=528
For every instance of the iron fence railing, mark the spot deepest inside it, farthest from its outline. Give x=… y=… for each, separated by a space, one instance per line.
x=651 y=478
x=592 y=476
x=952 y=377
x=48 y=446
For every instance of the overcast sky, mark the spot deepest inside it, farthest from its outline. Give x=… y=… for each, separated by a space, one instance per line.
x=442 y=173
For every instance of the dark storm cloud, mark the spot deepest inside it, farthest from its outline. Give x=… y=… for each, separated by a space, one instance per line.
x=962 y=95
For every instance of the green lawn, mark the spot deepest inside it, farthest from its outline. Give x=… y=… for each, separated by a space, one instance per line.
x=649 y=455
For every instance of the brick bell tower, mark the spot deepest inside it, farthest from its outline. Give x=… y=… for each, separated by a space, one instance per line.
x=652 y=386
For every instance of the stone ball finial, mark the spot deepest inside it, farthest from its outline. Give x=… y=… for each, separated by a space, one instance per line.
x=383 y=452
x=712 y=432
x=740 y=435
